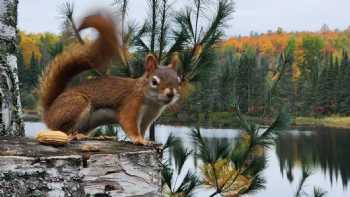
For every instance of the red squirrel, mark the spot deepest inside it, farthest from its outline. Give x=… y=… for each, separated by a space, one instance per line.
x=133 y=103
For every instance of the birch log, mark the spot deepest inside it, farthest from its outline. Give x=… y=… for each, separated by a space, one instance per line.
x=11 y=123
x=84 y=168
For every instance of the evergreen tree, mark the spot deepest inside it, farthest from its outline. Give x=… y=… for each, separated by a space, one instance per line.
x=341 y=79
x=310 y=69
x=245 y=84
x=33 y=71
x=242 y=85
x=326 y=98
x=332 y=91
x=285 y=93
x=227 y=75
x=322 y=96
x=344 y=99
x=258 y=87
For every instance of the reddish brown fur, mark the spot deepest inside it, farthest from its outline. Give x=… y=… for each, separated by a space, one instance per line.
x=109 y=92
x=65 y=66
x=103 y=100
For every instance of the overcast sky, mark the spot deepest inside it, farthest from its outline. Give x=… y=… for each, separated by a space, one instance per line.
x=251 y=15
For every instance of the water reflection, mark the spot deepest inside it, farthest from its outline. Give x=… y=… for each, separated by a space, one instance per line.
x=325 y=149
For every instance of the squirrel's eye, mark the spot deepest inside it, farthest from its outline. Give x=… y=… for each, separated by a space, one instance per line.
x=155 y=81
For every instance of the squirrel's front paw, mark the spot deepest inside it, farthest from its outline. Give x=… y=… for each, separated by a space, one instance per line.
x=77 y=136
x=141 y=141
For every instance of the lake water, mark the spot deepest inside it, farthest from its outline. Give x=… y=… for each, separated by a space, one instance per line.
x=326 y=151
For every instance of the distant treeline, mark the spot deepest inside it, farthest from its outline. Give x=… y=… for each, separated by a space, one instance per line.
x=314 y=82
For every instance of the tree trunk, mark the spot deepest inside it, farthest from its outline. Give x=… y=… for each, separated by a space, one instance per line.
x=11 y=123
x=84 y=168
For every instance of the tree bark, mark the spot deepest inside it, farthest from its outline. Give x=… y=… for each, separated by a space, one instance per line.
x=11 y=123
x=83 y=168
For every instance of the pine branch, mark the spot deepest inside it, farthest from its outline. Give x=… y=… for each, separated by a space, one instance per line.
x=167 y=174
x=318 y=192
x=189 y=183
x=258 y=183
x=171 y=142
x=137 y=40
x=181 y=38
x=242 y=120
x=224 y=10
x=67 y=10
x=180 y=155
x=198 y=141
x=305 y=174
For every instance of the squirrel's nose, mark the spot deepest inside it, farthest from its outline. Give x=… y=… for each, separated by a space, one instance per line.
x=170 y=95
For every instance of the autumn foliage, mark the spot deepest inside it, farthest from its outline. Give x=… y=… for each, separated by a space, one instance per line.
x=273 y=43
x=30 y=44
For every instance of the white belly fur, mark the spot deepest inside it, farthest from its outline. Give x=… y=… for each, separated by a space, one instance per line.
x=147 y=115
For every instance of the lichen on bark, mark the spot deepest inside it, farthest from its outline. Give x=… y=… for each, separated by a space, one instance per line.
x=11 y=123
x=113 y=169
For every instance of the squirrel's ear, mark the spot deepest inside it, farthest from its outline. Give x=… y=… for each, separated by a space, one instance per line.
x=151 y=63
x=173 y=62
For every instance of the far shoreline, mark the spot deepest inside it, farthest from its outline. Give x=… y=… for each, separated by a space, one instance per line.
x=335 y=122
x=328 y=122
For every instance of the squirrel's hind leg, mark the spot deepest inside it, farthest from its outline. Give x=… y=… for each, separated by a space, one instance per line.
x=69 y=113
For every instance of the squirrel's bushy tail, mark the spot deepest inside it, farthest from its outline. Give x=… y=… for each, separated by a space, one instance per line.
x=80 y=58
